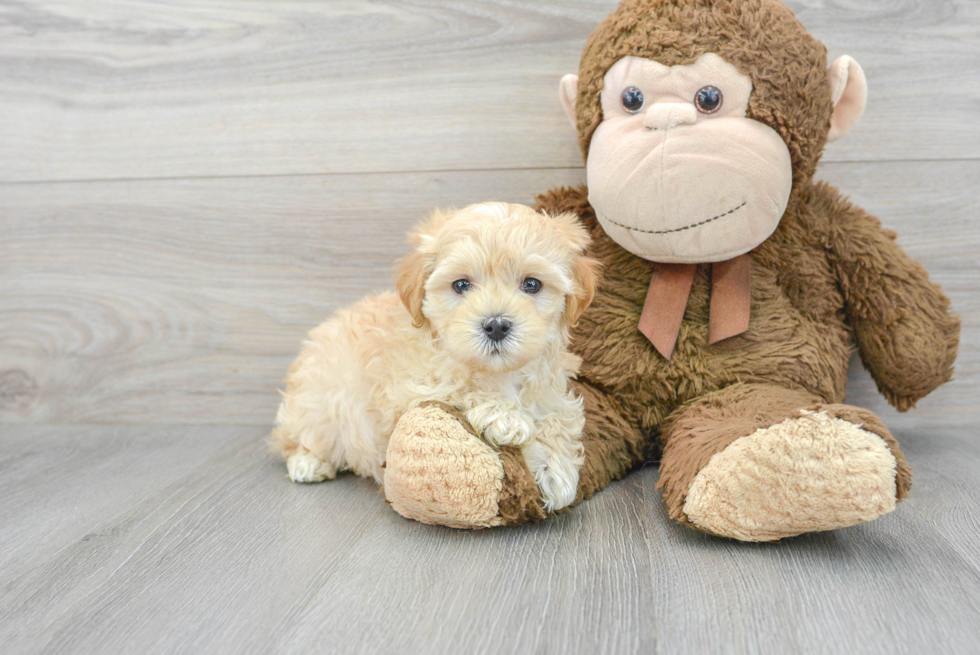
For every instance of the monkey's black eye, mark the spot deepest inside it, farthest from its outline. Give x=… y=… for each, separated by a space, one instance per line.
x=531 y=285
x=461 y=286
x=709 y=99
x=632 y=99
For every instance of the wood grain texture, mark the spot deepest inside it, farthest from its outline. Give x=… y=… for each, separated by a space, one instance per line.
x=185 y=300
x=145 y=89
x=216 y=551
x=57 y=482
x=187 y=187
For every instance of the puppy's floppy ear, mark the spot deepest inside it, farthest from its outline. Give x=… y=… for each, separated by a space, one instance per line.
x=417 y=266
x=413 y=271
x=585 y=273
x=571 y=229
x=585 y=270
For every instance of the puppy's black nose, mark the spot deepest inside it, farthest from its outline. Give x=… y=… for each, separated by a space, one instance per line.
x=496 y=328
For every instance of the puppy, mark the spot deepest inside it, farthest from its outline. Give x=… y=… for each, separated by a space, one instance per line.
x=480 y=322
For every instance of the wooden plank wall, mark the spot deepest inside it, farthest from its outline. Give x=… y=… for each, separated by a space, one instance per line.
x=187 y=187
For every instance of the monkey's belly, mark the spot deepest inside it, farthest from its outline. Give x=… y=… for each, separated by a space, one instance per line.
x=783 y=346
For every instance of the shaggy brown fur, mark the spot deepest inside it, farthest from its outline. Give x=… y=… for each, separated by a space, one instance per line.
x=829 y=277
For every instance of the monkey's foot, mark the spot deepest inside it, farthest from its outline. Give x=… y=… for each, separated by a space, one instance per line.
x=810 y=473
x=439 y=472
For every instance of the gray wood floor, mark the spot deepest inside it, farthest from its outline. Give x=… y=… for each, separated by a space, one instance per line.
x=187 y=187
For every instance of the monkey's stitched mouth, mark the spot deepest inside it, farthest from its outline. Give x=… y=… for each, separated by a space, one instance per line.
x=678 y=229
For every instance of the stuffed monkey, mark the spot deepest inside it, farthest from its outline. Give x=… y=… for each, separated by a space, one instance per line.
x=735 y=287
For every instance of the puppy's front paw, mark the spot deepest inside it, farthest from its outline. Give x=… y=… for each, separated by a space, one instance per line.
x=306 y=467
x=556 y=475
x=500 y=426
x=509 y=430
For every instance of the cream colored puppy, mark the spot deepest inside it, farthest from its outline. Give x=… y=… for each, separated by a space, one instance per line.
x=480 y=323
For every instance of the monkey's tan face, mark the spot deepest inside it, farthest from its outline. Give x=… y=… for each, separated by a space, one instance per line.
x=676 y=172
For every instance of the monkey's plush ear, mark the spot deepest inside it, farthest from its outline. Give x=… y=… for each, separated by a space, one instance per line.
x=567 y=92
x=849 y=91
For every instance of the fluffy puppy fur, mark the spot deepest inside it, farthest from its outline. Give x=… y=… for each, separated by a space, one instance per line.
x=466 y=328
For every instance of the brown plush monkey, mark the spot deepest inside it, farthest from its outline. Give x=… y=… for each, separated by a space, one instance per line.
x=735 y=286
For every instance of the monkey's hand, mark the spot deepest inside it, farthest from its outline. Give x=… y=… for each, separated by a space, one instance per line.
x=903 y=326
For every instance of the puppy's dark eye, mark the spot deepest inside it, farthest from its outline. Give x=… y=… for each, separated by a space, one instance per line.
x=461 y=286
x=531 y=285
x=709 y=99
x=632 y=99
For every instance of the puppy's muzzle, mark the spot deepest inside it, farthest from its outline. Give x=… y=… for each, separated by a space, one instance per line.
x=496 y=328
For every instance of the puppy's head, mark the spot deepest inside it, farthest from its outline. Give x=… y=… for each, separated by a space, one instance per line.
x=499 y=283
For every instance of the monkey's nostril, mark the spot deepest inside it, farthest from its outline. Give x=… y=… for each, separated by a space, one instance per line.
x=497 y=328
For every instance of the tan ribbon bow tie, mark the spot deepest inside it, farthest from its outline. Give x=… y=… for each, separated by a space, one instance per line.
x=670 y=287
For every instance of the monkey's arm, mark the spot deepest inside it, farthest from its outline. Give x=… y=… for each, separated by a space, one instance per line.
x=905 y=332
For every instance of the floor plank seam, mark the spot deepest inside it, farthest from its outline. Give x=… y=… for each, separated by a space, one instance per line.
x=433 y=171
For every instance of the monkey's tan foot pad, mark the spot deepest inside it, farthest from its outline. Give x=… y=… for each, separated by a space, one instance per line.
x=441 y=473
x=805 y=474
